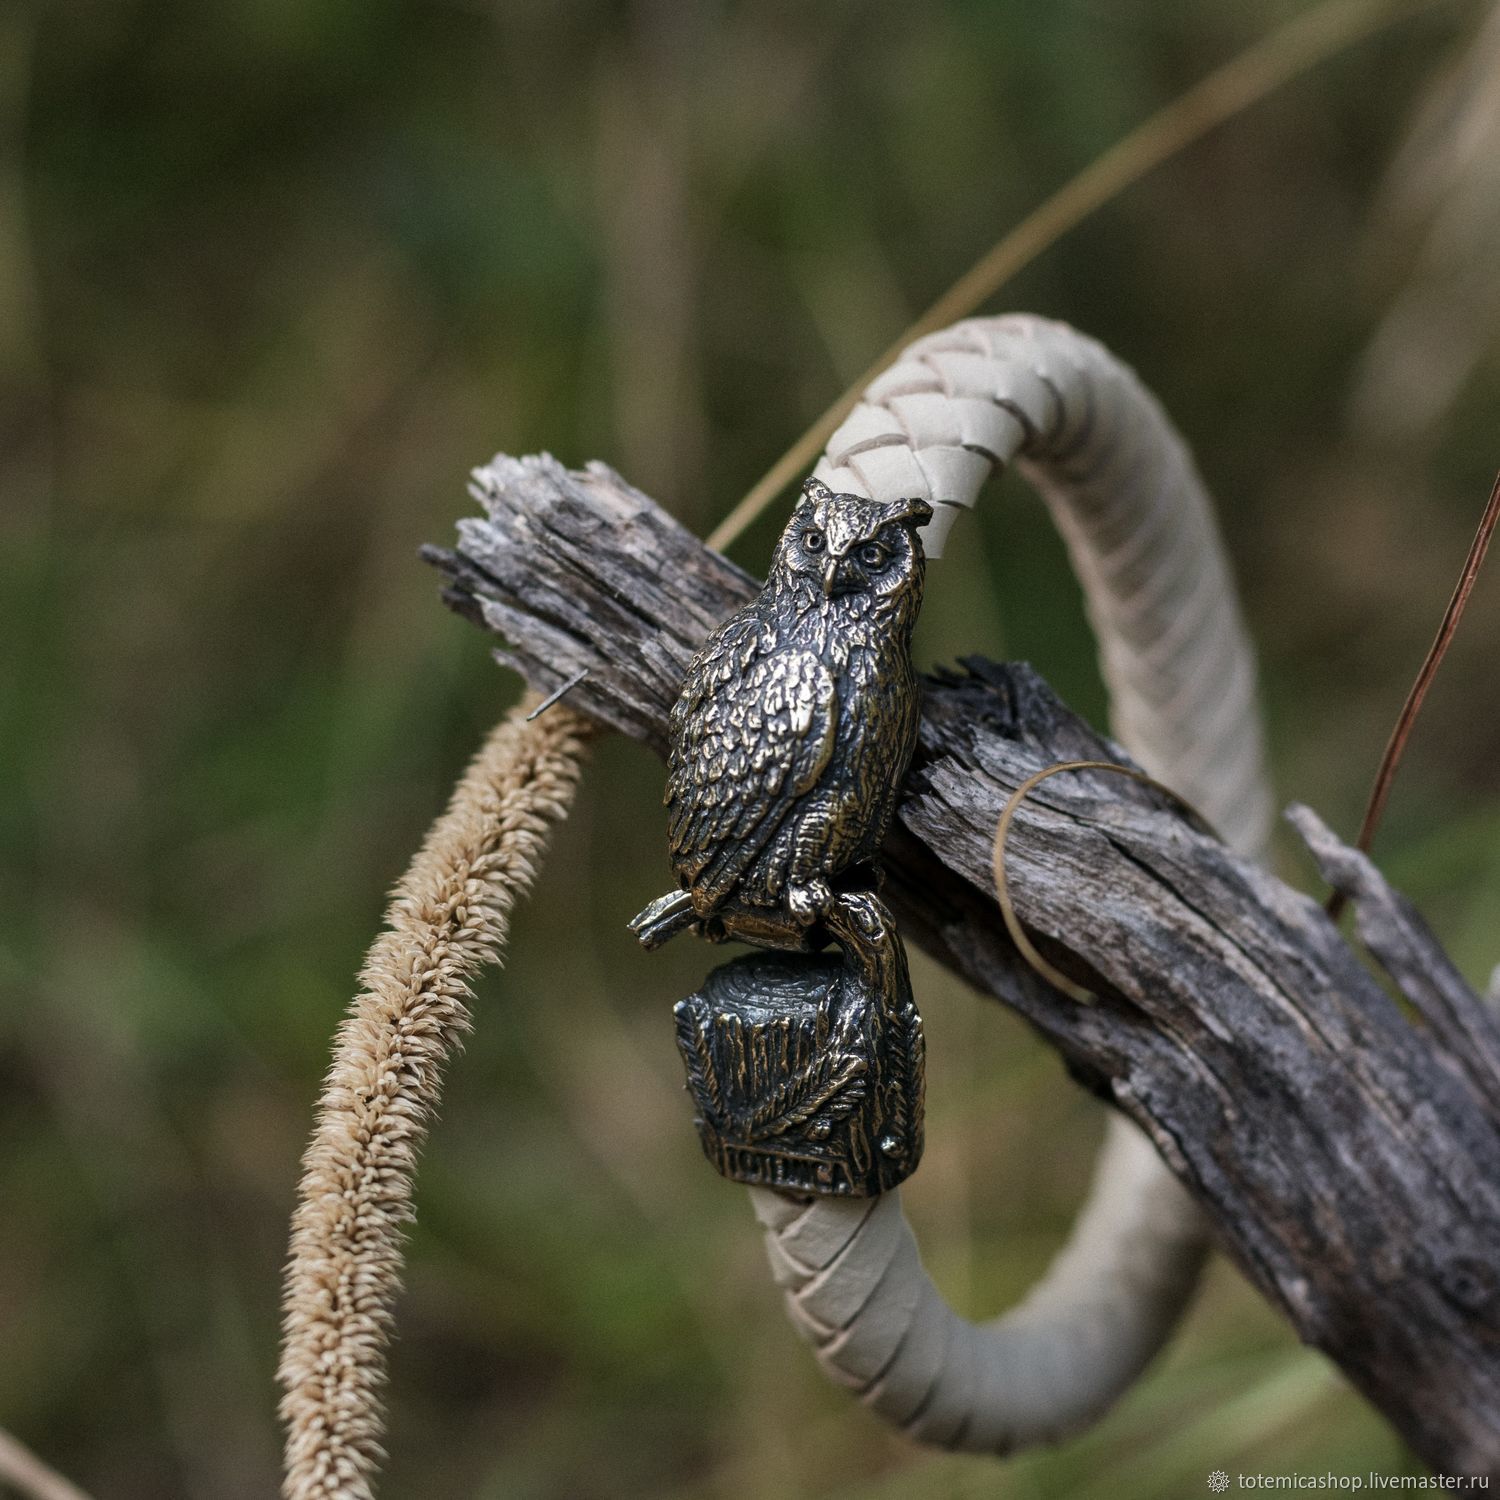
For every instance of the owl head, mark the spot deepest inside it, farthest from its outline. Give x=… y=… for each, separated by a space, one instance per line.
x=853 y=555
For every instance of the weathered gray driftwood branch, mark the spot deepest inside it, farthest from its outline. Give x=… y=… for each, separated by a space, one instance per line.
x=1350 y=1158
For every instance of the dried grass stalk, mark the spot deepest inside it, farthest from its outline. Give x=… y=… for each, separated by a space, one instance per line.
x=22 y=1471
x=1440 y=221
x=1319 y=32
x=447 y=918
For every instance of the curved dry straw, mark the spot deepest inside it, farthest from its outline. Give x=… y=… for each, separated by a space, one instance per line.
x=447 y=918
x=22 y=1471
x=1024 y=946
x=1290 y=50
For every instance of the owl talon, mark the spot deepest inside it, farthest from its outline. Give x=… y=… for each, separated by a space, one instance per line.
x=665 y=917
x=809 y=903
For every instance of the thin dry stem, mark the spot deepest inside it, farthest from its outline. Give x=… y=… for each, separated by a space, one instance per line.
x=447 y=918
x=22 y=1471
x=1439 y=223
x=1024 y=946
x=1395 y=746
x=1292 y=49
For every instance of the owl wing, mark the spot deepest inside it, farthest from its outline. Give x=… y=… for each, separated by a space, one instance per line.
x=752 y=734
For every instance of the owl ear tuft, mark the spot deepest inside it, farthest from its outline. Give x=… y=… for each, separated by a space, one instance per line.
x=815 y=489
x=917 y=512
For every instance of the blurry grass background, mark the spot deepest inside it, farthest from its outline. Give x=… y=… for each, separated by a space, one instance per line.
x=273 y=275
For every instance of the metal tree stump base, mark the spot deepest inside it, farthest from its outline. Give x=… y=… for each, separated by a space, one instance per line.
x=807 y=1070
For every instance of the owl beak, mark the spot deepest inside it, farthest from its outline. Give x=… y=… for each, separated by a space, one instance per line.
x=838 y=577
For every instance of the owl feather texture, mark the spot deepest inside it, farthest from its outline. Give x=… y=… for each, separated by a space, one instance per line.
x=794 y=727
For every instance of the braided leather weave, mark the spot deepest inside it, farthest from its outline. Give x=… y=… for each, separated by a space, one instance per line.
x=1123 y=490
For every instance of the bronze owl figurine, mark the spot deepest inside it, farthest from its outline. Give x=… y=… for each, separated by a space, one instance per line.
x=794 y=727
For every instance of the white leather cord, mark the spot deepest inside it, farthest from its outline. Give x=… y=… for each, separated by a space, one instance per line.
x=1139 y=527
x=856 y=1290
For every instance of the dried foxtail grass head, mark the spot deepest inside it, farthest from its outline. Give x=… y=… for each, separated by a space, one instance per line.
x=447 y=918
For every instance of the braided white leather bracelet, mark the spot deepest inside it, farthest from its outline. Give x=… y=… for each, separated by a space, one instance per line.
x=1123 y=490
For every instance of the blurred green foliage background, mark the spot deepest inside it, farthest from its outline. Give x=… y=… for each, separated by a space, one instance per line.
x=273 y=275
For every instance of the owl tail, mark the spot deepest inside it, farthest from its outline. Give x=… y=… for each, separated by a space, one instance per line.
x=663 y=919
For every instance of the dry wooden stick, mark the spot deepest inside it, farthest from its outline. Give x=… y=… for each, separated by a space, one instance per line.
x=1350 y=1161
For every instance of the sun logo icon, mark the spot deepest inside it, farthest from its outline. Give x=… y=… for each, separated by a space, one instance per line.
x=1218 y=1481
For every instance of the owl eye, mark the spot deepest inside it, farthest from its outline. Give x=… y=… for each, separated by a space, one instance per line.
x=812 y=540
x=873 y=555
